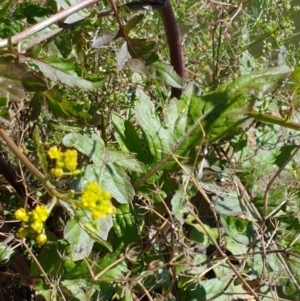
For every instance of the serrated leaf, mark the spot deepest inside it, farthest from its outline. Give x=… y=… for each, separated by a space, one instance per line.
x=78 y=288
x=129 y=140
x=81 y=238
x=61 y=74
x=98 y=230
x=227 y=202
x=126 y=161
x=111 y=178
x=158 y=139
x=92 y=147
x=196 y=119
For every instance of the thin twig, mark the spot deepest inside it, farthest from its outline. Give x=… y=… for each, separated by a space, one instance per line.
x=47 y=22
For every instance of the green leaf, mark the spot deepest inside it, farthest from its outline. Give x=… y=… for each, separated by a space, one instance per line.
x=93 y=147
x=228 y=202
x=50 y=258
x=206 y=230
x=180 y=205
x=78 y=289
x=208 y=290
x=213 y=117
x=76 y=16
x=234 y=247
x=35 y=105
x=108 y=169
x=58 y=70
x=158 y=139
x=111 y=178
x=126 y=161
x=132 y=23
x=4 y=6
x=81 y=243
x=5 y=252
x=67 y=65
x=143 y=49
x=239 y=229
x=16 y=77
x=31 y=11
x=62 y=107
x=129 y=140
x=98 y=230
x=124 y=224
x=164 y=72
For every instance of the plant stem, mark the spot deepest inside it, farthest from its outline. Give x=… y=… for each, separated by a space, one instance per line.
x=275 y=120
x=41 y=177
x=47 y=22
x=174 y=43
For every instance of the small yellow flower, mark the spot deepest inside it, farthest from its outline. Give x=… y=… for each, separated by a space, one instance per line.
x=22 y=232
x=60 y=163
x=97 y=201
x=63 y=160
x=41 y=239
x=37 y=226
x=55 y=153
x=40 y=212
x=21 y=215
x=70 y=159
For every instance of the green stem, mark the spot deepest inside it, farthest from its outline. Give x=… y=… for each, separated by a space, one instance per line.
x=275 y=120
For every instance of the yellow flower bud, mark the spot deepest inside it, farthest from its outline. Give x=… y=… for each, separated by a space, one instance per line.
x=21 y=215
x=22 y=232
x=76 y=172
x=70 y=159
x=54 y=153
x=37 y=226
x=57 y=172
x=41 y=239
x=40 y=212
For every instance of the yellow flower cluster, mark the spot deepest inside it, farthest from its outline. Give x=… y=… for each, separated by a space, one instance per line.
x=96 y=200
x=33 y=223
x=63 y=160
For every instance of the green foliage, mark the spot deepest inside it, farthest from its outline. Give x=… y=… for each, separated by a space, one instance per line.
x=205 y=188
